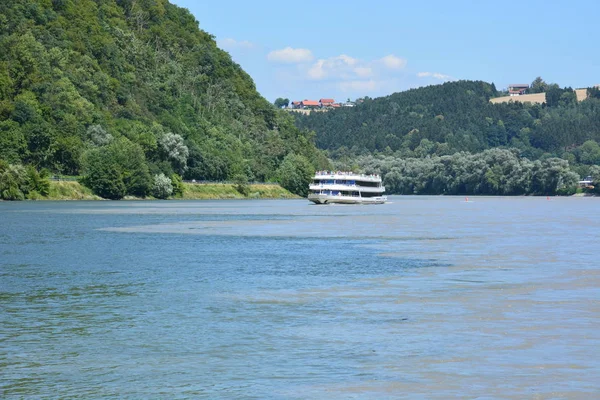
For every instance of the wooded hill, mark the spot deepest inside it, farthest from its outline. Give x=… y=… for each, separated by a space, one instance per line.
x=125 y=90
x=453 y=117
x=457 y=118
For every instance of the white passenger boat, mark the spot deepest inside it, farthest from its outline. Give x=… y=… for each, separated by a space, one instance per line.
x=346 y=188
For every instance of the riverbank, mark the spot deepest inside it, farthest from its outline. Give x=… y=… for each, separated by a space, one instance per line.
x=72 y=190
x=211 y=191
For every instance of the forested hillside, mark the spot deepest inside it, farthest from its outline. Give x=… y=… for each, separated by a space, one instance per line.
x=457 y=117
x=122 y=91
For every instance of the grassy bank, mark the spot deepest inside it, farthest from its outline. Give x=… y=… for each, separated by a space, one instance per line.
x=194 y=191
x=71 y=190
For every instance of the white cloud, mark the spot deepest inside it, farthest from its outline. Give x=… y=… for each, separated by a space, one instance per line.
x=344 y=67
x=363 y=72
x=290 y=55
x=229 y=43
x=340 y=67
x=393 y=62
x=359 y=85
x=435 y=75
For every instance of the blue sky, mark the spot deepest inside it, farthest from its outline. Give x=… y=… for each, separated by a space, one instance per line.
x=348 y=49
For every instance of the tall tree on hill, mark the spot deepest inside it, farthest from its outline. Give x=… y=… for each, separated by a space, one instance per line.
x=538 y=85
x=553 y=95
x=281 y=102
x=593 y=92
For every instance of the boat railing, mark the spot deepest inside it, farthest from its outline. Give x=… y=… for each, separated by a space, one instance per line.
x=345 y=173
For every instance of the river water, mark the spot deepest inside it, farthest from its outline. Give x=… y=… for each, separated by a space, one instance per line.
x=424 y=297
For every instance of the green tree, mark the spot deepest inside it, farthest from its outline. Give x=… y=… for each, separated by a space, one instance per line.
x=295 y=174
x=593 y=92
x=12 y=180
x=132 y=165
x=589 y=153
x=162 y=187
x=281 y=102
x=553 y=95
x=538 y=86
x=18 y=182
x=178 y=187
x=38 y=182
x=13 y=145
x=102 y=174
x=241 y=184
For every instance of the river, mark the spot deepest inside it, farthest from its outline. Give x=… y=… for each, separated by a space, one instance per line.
x=423 y=297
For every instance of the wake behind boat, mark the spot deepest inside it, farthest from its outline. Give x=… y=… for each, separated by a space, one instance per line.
x=341 y=187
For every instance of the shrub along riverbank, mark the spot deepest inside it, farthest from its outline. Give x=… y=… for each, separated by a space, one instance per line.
x=64 y=190
x=18 y=182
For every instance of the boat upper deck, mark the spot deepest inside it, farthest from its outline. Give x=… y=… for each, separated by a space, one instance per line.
x=331 y=177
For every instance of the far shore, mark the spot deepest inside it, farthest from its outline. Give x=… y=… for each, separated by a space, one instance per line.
x=73 y=190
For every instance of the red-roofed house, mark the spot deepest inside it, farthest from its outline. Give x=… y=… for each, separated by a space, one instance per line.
x=310 y=104
x=296 y=104
x=517 y=89
x=326 y=102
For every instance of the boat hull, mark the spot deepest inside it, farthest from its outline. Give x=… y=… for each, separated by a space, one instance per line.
x=336 y=199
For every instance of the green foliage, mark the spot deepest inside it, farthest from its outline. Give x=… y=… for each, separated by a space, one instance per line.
x=455 y=117
x=13 y=179
x=281 y=102
x=538 y=86
x=81 y=75
x=18 y=182
x=241 y=184
x=295 y=174
x=103 y=174
x=491 y=172
x=178 y=186
x=594 y=172
x=120 y=160
x=13 y=146
x=162 y=187
x=38 y=182
x=593 y=92
x=132 y=166
x=556 y=96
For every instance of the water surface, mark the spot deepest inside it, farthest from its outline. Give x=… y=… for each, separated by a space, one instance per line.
x=424 y=297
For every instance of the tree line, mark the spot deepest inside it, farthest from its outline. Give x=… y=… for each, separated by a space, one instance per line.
x=437 y=124
x=491 y=172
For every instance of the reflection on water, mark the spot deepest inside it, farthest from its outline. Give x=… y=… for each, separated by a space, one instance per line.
x=425 y=297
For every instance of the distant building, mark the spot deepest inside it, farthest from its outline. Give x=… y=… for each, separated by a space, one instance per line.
x=517 y=89
x=587 y=183
x=321 y=105
x=310 y=104
x=326 y=102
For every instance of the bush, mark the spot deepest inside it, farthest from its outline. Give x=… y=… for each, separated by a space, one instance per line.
x=295 y=174
x=163 y=187
x=18 y=182
x=241 y=184
x=178 y=187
